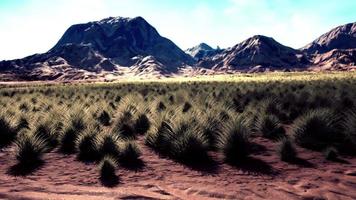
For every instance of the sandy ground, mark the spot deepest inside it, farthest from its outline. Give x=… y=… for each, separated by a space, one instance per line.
x=264 y=177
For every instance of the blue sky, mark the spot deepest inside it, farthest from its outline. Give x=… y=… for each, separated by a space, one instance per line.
x=34 y=26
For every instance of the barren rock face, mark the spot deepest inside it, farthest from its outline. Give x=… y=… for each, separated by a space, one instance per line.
x=342 y=37
x=121 y=39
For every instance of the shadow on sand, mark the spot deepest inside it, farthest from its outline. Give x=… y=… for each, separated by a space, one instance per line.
x=21 y=169
x=254 y=166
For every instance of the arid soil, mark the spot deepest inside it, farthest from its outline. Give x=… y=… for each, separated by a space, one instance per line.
x=264 y=176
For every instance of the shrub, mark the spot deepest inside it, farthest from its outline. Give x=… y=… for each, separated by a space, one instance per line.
x=43 y=130
x=22 y=123
x=107 y=167
x=124 y=123
x=142 y=124
x=29 y=150
x=87 y=146
x=179 y=138
x=186 y=107
x=104 y=118
x=108 y=146
x=129 y=152
x=190 y=147
x=233 y=141
x=68 y=139
x=349 y=127
x=316 y=130
x=75 y=125
x=211 y=127
x=269 y=126
x=330 y=153
x=7 y=131
x=286 y=150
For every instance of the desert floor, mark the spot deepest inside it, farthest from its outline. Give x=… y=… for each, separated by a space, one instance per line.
x=264 y=176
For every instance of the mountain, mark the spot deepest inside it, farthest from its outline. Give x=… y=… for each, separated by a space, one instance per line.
x=202 y=51
x=118 y=47
x=341 y=37
x=104 y=46
x=258 y=52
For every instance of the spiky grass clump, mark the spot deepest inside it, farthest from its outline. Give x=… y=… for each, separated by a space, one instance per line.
x=107 y=168
x=7 y=131
x=349 y=127
x=109 y=145
x=234 y=141
x=286 y=150
x=211 y=125
x=125 y=120
x=104 y=118
x=87 y=145
x=74 y=126
x=22 y=123
x=129 y=152
x=44 y=131
x=316 y=130
x=331 y=153
x=142 y=124
x=30 y=149
x=179 y=137
x=269 y=126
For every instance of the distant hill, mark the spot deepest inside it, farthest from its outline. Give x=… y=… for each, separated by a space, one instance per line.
x=202 y=51
x=256 y=52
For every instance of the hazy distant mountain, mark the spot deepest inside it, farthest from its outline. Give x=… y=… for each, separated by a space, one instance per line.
x=202 y=51
x=256 y=52
x=341 y=37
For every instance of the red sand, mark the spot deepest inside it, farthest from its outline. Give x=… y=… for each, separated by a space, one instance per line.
x=62 y=177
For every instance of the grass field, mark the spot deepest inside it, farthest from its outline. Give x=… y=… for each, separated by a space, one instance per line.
x=182 y=119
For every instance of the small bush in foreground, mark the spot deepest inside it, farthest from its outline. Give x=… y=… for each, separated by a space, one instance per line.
x=233 y=141
x=7 y=131
x=142 y=124
x=29 y=150
x=270 y=127
x=316 y=130
x=331 y=153
x=107 y=168
x=287 y=151
x=108 y=146
x=129 y=153
x=104 y=118
x=349 y=127
x=87 y=146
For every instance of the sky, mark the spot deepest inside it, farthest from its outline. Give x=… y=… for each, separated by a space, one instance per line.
x=34 y=26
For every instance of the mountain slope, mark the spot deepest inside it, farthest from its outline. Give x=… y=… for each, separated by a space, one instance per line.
x=121 y=39
x=341 y=37
x=257 y=51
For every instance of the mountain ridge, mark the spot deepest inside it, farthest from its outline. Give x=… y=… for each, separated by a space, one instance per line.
x=118 y=46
